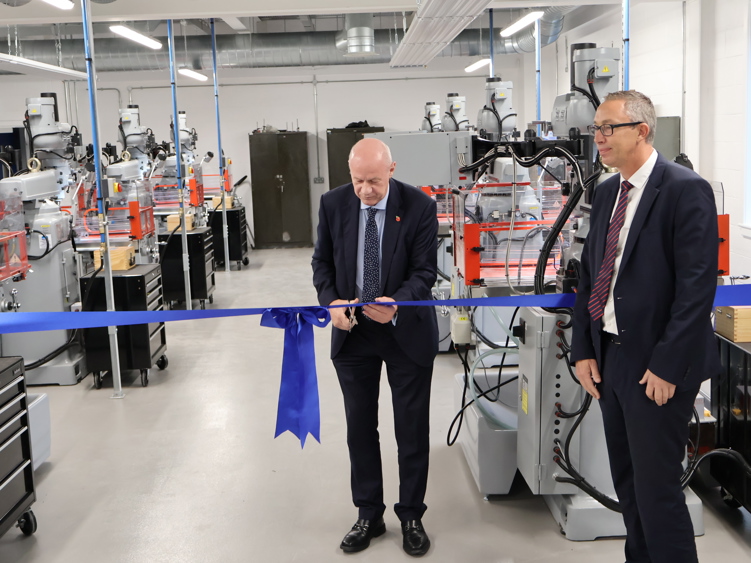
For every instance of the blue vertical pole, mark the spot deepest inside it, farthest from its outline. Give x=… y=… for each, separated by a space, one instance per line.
x=538 y=66
x=492 y=47
x=626 y=48
x=179 y=166
x=225 y=230
x=88 y=43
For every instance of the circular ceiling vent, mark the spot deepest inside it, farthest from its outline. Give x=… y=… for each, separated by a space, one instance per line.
x=14 y=3
x=103 y=1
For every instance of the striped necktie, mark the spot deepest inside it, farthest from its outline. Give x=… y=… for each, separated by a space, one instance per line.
x=370 y=265
x=601 y=288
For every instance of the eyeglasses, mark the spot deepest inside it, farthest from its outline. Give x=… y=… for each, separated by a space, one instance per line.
x=607 y=129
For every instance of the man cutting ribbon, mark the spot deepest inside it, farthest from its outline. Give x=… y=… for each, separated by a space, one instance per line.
x=376 y=245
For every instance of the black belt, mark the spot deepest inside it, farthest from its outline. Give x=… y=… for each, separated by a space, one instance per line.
x=612 y=338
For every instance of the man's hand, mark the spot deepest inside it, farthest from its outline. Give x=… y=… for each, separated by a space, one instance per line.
x=588 y=375
x=658 y=390
x=338 y=316
x=381 y=313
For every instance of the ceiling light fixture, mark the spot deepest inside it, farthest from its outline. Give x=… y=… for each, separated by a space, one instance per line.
x=30 y=66
x=133 y=35
x=62 y=4
x=235 y=23
x=521 y=23
x=193 y=74
x=477 y=65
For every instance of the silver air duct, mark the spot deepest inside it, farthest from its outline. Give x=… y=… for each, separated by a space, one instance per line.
x=279 y=49
x=15 y=3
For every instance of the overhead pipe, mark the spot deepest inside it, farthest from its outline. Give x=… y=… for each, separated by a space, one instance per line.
x=225 y=228
x=104 y=233
x=626 y=39
x=179 y=167
x=490 y=44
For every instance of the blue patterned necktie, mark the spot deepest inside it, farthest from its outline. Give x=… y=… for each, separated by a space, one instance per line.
x=370 y=271
x=601 y=288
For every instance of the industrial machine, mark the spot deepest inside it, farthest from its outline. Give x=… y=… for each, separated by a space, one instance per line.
x=51 y=284
x=167 y=193
x=455 y=117
x=432 y=120
x=497 y=118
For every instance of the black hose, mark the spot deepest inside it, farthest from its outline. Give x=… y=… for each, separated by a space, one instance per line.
x=591 y=83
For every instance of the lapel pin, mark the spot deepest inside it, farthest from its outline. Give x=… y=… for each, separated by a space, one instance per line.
x=398 y=218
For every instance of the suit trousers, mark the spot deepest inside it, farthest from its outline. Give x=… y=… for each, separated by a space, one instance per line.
x=646 y=445
x=358 y=366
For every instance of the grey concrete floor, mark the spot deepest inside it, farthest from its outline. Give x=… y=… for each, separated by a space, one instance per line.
x=188 y=470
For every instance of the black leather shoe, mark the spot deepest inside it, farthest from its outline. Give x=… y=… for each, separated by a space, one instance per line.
x=361 y=533
x=416 y=541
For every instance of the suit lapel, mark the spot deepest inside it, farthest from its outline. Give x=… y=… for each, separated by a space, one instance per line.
x=351 y=232
x=391 y=229
x=645 y=204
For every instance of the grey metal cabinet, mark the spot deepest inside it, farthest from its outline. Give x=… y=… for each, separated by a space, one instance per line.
x=281 y=189
x=339 y=143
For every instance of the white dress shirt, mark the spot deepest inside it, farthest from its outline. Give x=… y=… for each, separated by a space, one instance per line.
x=638 y=180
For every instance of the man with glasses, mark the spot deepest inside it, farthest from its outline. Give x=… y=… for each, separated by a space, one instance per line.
x=642 y=337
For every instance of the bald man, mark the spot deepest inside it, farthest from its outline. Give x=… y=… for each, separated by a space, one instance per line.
x=376 y=245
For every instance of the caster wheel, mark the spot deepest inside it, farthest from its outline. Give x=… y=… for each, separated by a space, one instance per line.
x=239 y=265
x=203 y=304
x=27 y=523
x=211 y=298
x=162 y=362
x=145 y=377
x=98 y=379
x=729 y=499
x=246 y=261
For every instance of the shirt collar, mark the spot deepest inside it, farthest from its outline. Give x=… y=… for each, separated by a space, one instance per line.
x=640 y=177
x=381 y=204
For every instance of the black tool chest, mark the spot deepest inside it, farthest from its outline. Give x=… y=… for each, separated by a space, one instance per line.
x=16 y=469
x=201 y=258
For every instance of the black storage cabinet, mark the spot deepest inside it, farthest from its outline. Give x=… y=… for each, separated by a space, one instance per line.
x=237 y=235
x=281 y=189
x=339 y=143
x=17 y=491
x=202 y=266
x=139 y=346
x=731 y=406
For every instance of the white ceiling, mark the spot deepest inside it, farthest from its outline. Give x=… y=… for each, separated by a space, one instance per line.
x=37 y=12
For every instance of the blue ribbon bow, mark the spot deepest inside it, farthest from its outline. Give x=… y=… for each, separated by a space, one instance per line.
x=298 y=409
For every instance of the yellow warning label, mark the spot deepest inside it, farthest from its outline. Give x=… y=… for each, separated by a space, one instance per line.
x=525 y=394
x=606 y=69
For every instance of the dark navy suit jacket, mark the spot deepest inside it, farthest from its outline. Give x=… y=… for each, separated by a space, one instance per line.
x=667 y=278
x=408 y=262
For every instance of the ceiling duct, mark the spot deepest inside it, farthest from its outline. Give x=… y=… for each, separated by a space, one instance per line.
x=275 y=49
x=357 y=39
x=103 y=1
x=15 y=3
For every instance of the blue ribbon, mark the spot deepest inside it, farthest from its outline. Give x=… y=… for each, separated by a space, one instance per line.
x=298 y=409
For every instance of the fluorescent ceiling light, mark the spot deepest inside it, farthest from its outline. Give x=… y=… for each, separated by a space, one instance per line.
x=521 y=23
x=193 y=74
x=135 y=36
x=477 y=65
x=235 y=23
x=29 y=66
x=62 y=4
x=435 y=25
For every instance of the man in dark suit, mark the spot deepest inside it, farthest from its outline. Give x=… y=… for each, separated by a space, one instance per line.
x=642 y=335
x=376 y=245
